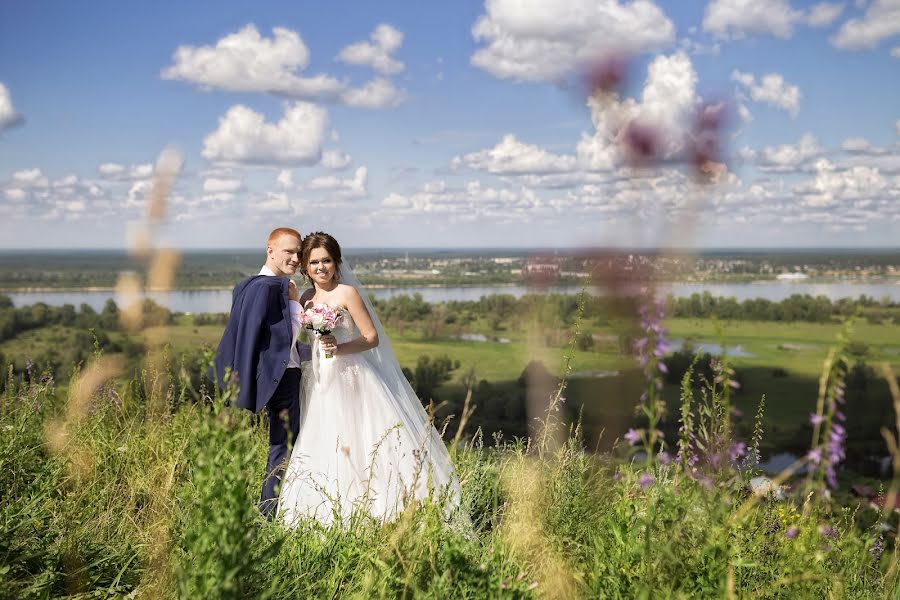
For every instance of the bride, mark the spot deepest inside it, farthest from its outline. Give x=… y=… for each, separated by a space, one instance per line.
x=365 y=442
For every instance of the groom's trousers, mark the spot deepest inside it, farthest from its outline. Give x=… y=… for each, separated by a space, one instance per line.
x=283 y=410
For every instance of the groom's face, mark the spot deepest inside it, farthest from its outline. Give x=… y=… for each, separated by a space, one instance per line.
x=283 y=255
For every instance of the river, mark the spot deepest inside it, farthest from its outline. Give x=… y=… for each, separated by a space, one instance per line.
x=193 y=301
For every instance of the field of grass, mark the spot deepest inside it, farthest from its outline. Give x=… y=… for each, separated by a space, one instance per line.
x=116 y=493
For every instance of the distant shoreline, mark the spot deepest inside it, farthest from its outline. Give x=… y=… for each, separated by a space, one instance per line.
x=419 y=284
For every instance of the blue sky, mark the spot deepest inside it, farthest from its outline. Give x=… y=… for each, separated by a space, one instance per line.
x=450 y=124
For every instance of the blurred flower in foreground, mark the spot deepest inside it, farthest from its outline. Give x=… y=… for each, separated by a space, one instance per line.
x=606 y=74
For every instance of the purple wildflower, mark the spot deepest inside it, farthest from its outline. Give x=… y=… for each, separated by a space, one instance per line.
x=665 y=458
x=662 y=367
x=633 y=436
x=736 y=412
x=618 y=476
x=831 y=477
x=29 y=368
x=816 y=419
x=828 y=532
x=877 y=548
x=815 y=456
x=736 y=451
x=791 y=533
x=646 y=480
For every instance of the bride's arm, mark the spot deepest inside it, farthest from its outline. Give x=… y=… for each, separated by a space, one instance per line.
x=368 y=337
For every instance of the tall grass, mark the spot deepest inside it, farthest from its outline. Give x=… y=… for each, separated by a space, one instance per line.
x=149 y=502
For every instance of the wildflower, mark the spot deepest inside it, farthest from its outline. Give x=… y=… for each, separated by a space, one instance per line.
x=736 y=451
x=618 y=476
x=877 y=548
x=662 y=367
x=559 y=403
x=816 y=419
x=607 y=74
x=29 y=368
x=633 y=436
x=736 y=412
x=831 y=477
x=646 y=480
x=815 y=456
x=828 y=532
x=665 y=458
x=791 y=533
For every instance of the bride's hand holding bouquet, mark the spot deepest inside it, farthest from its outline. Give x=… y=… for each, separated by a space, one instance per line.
x=322 y=319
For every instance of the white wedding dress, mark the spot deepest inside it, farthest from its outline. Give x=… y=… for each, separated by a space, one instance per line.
x=365 y=444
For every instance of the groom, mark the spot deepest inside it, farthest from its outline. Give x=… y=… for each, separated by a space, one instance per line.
x=260 y=348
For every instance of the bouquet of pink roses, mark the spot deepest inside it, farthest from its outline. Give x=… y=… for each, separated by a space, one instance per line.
x=322 y=319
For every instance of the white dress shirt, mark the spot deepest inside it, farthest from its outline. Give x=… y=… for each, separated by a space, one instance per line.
x=294 y=305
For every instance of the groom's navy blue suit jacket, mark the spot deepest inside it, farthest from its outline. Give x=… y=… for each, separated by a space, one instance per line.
x=256 y=344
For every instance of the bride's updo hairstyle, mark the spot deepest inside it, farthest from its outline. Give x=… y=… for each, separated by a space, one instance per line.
x=320 y=239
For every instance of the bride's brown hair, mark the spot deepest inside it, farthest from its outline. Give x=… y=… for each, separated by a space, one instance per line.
x=320 y=239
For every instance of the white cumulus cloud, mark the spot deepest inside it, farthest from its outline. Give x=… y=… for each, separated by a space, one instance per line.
x=790 y=157
x=378 y=93
x=537 y=40
x=244 y=137
x=833 y=185
x=880 y=21
x=738 y=19
x=214 y=185
x=245 y=61
x=824 y=13
x=512 y=157
x=119 y=172
x=771 y=89
x=30 y=179
x=377 y=53
x=335 y=159
x=353 y=187
x=8 y=114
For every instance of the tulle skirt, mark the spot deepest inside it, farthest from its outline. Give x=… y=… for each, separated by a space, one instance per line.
x=354 y=453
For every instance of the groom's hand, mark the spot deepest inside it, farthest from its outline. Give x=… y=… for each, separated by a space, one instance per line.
x=293 y=291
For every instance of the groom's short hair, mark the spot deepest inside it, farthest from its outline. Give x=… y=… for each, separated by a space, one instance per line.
x=277 y=233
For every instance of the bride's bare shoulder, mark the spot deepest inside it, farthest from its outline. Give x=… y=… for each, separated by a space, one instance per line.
x=347 y=292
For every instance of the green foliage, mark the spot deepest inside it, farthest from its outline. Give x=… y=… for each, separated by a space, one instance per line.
x=430 y=373
x=163 y=505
